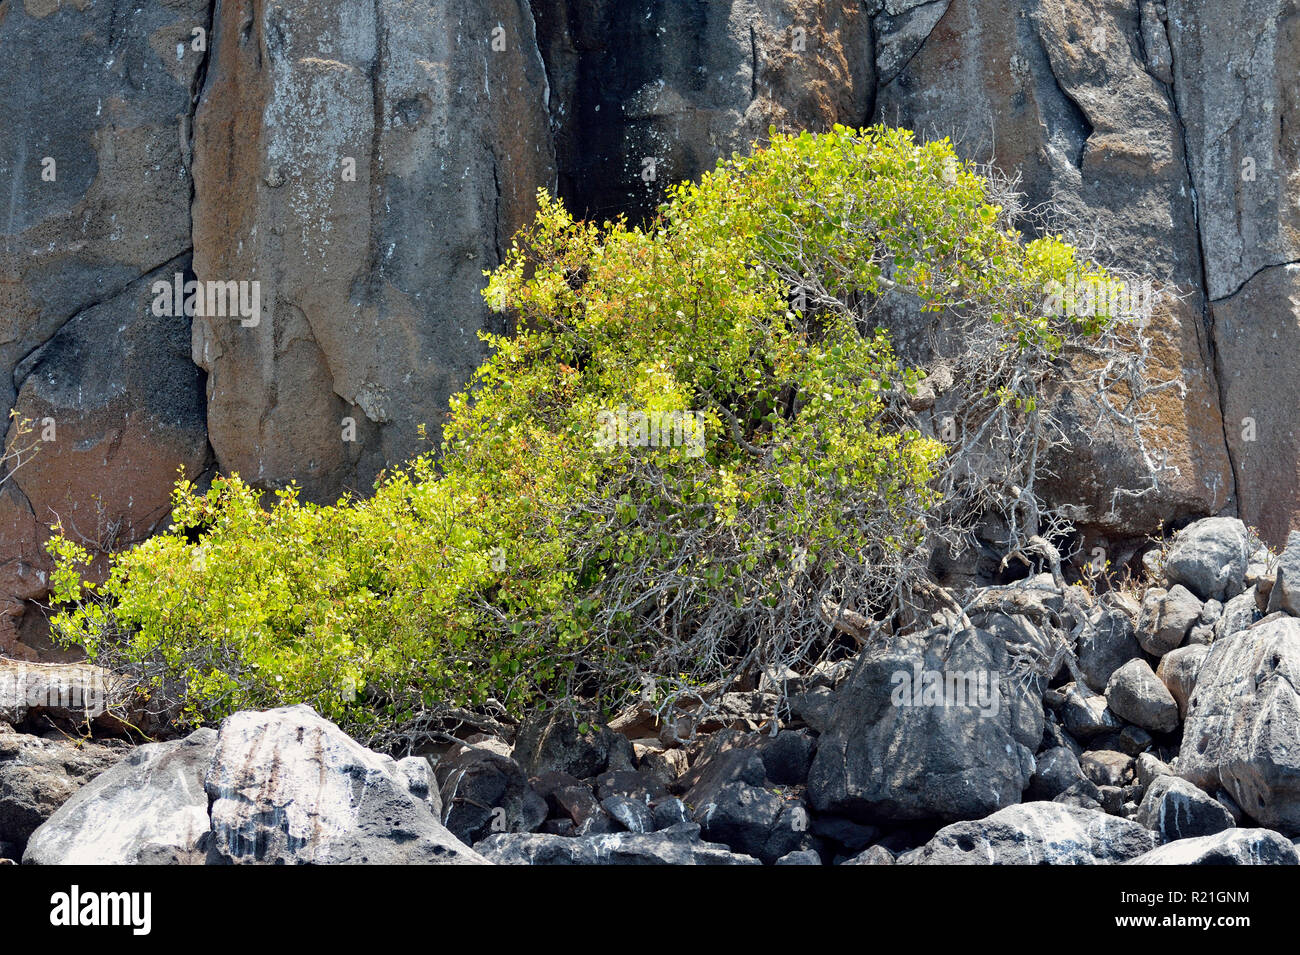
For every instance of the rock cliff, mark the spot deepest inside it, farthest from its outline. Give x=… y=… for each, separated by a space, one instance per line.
x=364 y=162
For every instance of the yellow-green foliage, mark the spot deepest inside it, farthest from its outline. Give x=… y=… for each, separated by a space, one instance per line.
x=487 y=572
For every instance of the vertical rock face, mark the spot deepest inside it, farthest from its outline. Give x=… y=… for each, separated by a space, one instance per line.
x=1237 y=95
x=646 y=95
x=1071 y=96
x=1240 y=104
x=363 y=162
x=93 y=102
x=1258 y=334
x=128 y=410
x=94 y=107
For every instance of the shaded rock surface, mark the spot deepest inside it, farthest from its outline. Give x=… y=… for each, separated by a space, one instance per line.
x=881 y=760
x=556 y=745
x=1056 y=770
x=1107 y=643
x=640 y=102
x=95 y=108
x=39 y=775
x=1087 y=715
x=754 y=821
x=483 y=792
x=1134 y=693
x=1178 y=670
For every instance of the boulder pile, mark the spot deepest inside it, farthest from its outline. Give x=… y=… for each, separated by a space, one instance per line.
x=1168 y=734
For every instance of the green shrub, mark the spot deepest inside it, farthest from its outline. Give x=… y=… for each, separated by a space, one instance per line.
x=542 y=560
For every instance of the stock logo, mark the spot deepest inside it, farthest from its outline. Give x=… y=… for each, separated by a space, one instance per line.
x=74 y=908
x=938 y=688
x=1086 y=297
x=654 y=429
x=33 y=686
x=211 y=299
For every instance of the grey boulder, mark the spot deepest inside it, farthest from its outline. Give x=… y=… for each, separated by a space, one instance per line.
x=1056 y=770
x=1230 y=847
x=1134 y=693
x=148 y=809
x=1178 y=670
x=754 y=821
x=1107 y=767
x=1209 y=558
x=287 y=786
x=1150 y=768
x=573 y=805
x=38 y=775
x=800 y=857
x=894 y=751
x=553 y=743
x=281 y=786
x=1036 y=833
x=1243 y=723
x=1175 y=809
x=679 y=845
x=1086 y=715
x=1085 y=794
x=1107 y=643
x=875 y=855
x=632 y=814
x=741 y=793
x=484 y=792
x=1167 y=617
